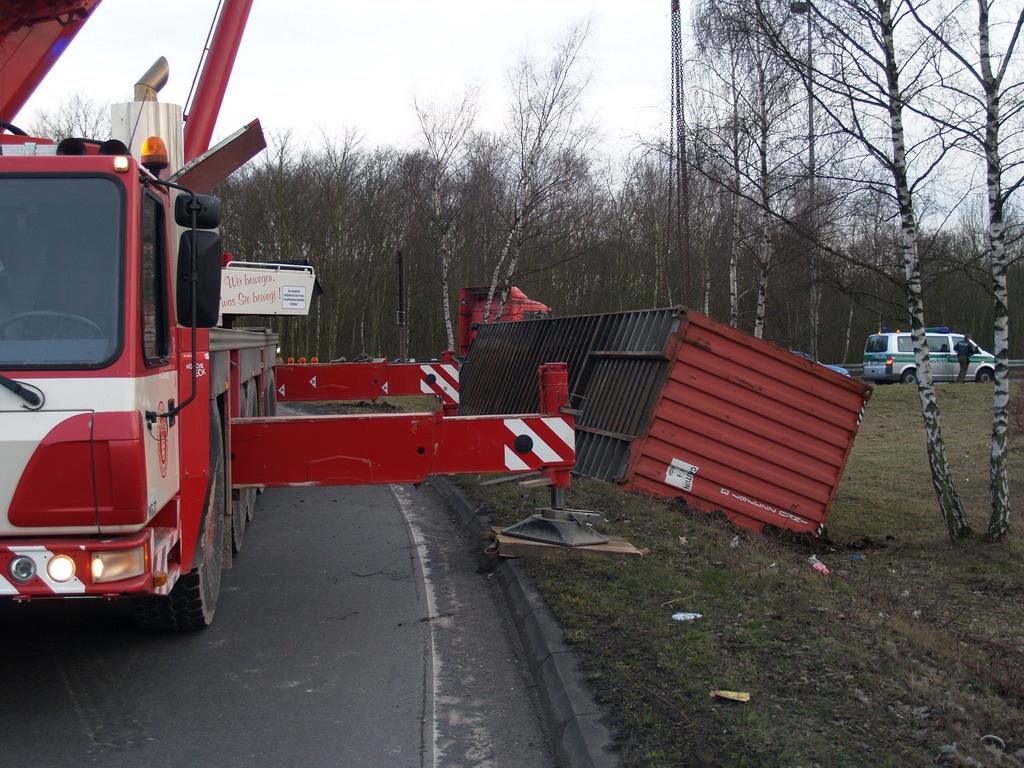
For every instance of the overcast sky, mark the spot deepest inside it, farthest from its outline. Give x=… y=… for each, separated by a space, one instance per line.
x=330 y=65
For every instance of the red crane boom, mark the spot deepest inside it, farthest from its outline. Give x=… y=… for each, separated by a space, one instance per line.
x=213 y=82
x=33 y=35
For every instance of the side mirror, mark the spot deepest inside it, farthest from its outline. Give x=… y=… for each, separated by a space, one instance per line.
x=207 y=212
x=207 y=293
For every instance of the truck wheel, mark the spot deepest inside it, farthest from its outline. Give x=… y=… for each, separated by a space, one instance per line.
x=254 y=410
x=193 y=599
x=909 y=377
x=269 y=394
x=244 y=499
x=239 y=517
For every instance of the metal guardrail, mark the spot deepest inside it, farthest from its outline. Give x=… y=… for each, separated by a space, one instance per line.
x=857 y=369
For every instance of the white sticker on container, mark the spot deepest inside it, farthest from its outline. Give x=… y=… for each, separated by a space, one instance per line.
x=680 y=474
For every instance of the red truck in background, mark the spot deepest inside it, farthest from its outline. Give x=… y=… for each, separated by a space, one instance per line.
x=134 y=429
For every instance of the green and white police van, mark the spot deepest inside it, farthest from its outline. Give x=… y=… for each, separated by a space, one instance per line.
x=889 y=356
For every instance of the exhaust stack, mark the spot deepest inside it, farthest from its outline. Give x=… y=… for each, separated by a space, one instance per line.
x=134 y=121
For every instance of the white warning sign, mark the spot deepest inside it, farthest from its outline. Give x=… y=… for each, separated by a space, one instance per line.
x=680 y=474
x=293 y=297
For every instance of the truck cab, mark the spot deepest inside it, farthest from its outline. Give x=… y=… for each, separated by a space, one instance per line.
x=88 y=352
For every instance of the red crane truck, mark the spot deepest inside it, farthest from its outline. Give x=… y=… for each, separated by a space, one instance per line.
x=134 y=430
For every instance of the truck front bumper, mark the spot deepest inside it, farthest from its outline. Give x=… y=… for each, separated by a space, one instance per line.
x=42 y=567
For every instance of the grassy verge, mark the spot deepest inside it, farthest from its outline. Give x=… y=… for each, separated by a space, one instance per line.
x=907 y=654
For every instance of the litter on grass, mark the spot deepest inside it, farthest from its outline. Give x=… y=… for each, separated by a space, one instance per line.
x=687 y=616
x=819 y=566
x=731 y=695
x=994 y=739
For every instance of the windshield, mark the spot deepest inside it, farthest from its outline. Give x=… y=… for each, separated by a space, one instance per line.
x=877 y=344
x=60 y=271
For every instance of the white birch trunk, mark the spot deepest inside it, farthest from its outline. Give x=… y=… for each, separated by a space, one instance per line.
x=849 y=330
x=762 y=302
x=446 y=268
x=496 y=276
x=444 y=256
x=734 y=267
x=999 y=520
x=767 y=255
x=734 y=285
x=946 y=493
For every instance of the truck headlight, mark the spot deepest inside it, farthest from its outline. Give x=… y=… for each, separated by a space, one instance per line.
x=119 y=564
x=61 y=568
x=22 y=569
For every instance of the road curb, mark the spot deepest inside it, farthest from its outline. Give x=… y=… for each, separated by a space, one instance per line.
x=580 y=738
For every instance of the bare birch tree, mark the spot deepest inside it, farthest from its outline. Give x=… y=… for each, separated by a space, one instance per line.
x=717 y=40
x=545 y=138
x=979 y=103
x=445 y=130
x=873 y=70
x=745 y=70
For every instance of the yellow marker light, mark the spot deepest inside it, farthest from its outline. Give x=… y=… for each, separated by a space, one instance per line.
x=61 y=568
x=119 y=564
x=121 y=164
x=154 y=154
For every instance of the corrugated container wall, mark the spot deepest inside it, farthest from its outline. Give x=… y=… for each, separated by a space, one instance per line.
x=673 y=403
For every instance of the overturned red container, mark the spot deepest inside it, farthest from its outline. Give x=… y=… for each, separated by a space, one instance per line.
x=673 y=403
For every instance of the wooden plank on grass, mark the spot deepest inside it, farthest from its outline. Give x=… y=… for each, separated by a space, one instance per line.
x=510 y=546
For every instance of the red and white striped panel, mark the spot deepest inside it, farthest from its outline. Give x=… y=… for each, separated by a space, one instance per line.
x=41 y=556
x=552 y=441
x=162 y=543
x=441 y=379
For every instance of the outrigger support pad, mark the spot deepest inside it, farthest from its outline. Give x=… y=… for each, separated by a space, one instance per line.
x=564 y=527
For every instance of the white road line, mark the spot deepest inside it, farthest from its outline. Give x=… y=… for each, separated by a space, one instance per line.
x=405 y=506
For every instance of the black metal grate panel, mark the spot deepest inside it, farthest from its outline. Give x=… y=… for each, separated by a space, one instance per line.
x=617 y=366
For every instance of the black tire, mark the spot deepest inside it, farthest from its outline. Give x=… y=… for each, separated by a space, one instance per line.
x=254 y=410
x=268 y=404
x=269 y=394
x=193 y=599
x=243 y=500
x=239 y=517
x=909 y=377
x=984 y=376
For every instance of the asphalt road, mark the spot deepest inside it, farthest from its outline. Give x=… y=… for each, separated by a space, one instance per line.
x=358 y=627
